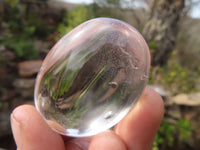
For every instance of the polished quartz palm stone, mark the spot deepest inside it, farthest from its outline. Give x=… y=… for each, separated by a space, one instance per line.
x=92 y=77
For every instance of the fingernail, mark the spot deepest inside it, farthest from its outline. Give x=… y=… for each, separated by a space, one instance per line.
x=81 y=144
x=19 y=116
x=17 y=119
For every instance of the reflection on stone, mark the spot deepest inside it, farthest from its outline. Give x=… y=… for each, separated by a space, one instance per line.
x=57 y=126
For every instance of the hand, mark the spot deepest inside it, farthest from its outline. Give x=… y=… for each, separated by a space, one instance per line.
x=135 y=132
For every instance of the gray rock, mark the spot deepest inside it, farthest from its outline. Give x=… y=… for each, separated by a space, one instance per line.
x=187 y=100
x=24 y=83
x=42 y=46
x=160 y=90
x=174 y=112
x=24 y=87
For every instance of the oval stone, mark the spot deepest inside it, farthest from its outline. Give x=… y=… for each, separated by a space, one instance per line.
x=92 y=77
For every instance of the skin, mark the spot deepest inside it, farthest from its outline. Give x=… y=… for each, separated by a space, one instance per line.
x=135 y=132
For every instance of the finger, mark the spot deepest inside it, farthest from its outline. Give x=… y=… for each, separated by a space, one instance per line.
x=139 y=127
x=107 y=140
x=77 y=144
x=31 y=132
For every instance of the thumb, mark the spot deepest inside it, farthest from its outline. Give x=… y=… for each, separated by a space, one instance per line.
x=31 y=132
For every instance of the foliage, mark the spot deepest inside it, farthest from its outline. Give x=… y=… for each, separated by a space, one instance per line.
x=175 y=78
x=164 y=135
x=184 y=129
x=107 y=8
x=72 y=19
x=23 y=48
x=152 y=45
x=184 y=79
x=198 y=71
x=169 y=135
x=82 y=13
x=23 y=29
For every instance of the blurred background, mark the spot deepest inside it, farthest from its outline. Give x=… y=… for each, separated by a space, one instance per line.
x=29 y=28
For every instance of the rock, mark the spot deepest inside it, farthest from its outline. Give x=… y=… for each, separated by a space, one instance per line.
x=24 y=83
x=198 y=84
x=7 y=94
x=4 y=25
x=171 y=120
x=30 y=102
x=4 y=123
x=194 y=141
x=42 y=46
x=8 y=55
x=174 y=112
x=187 y=100
x=2 y=71
x=25 y=93
x=2 y=48
x=24 y=87
x=29 y=68
x=160 y=90
x=197 y=132
x=185 y=106
x=17 y=102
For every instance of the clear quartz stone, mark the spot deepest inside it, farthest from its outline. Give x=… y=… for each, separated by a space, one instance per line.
x=92 y=77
